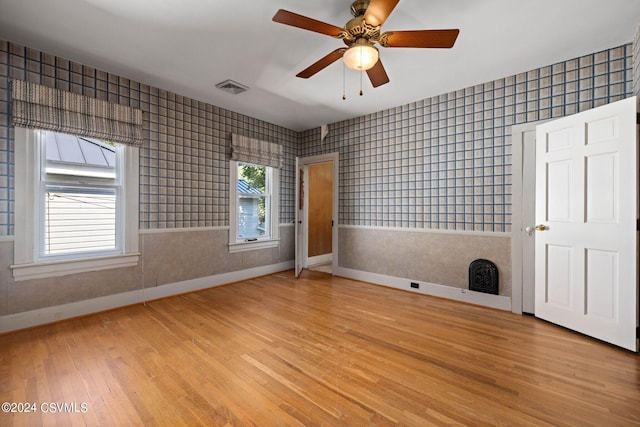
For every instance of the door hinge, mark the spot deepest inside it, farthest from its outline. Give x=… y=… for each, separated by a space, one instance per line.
x=638 y=332
x=332 y=223
x=638 y=225
x=638 y=118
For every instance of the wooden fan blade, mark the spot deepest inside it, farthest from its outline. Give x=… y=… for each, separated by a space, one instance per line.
x=378 y=11
x=322 y=63
x=295 y=20
x=420 y=38
x=378 y=75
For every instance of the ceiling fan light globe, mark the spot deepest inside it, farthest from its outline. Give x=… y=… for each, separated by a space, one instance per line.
x=361 y=57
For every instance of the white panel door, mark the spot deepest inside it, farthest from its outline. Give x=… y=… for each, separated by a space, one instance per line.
x=586 y=211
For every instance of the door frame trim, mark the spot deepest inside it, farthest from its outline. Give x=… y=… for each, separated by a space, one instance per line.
x=303 y=163
x=517 y=222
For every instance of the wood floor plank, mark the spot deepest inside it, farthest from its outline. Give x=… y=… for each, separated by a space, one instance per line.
x=316 y=351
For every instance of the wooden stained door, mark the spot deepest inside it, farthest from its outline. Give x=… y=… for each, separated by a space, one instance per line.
x=320 y=208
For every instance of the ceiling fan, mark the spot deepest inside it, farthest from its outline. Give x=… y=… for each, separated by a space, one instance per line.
x=361 y=33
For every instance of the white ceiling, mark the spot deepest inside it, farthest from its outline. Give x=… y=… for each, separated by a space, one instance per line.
x=187 y=46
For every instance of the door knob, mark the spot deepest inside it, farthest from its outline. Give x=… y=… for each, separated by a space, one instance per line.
x=530 y=230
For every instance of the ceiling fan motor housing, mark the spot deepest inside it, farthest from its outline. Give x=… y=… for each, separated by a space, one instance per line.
x=357 y=28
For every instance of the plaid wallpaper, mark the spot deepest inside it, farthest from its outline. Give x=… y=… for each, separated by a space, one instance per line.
x=184 y=166
x=184 y=171
x=439 y=163
x=445 y=162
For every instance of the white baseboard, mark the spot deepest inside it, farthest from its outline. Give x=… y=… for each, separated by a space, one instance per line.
x=319 y=259
x=27 y=319
x=499 y=302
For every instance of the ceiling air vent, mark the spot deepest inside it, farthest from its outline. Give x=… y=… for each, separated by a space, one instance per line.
x=232 y=87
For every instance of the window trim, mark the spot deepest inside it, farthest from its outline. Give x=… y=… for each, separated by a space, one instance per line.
x=273 y=240
x=27 y=263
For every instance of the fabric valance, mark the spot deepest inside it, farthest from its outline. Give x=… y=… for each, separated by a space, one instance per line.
x=41 y=107
x=250 y=150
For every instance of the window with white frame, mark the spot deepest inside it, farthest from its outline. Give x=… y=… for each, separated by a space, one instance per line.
x=76 y=204
x=253 y=206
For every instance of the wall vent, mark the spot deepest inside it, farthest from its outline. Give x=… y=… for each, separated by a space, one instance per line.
x=232 y=87
x=483 y=277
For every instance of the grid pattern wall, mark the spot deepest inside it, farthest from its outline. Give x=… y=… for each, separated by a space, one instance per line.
x=184 y=164
x=184 y=171
x=445 y=162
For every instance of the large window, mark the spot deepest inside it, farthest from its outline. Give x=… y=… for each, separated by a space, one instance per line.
x=80 y=196
x=76 y=204
x=253 y=206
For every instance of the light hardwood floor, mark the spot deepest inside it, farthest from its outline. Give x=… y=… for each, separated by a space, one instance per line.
x=276 y=351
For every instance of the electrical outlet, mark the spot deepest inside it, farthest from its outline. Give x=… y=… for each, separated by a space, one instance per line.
x=415 y=285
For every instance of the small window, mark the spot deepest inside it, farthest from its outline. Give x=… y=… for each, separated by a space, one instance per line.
x=253 y=206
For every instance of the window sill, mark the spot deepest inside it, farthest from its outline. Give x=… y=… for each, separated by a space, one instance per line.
x=250 y=246
x=40 y=270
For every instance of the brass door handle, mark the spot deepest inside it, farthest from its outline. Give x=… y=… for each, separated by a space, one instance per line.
x=530 y=230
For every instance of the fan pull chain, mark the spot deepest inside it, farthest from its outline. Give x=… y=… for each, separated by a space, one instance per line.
x=344 y=91
x=361 y=72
